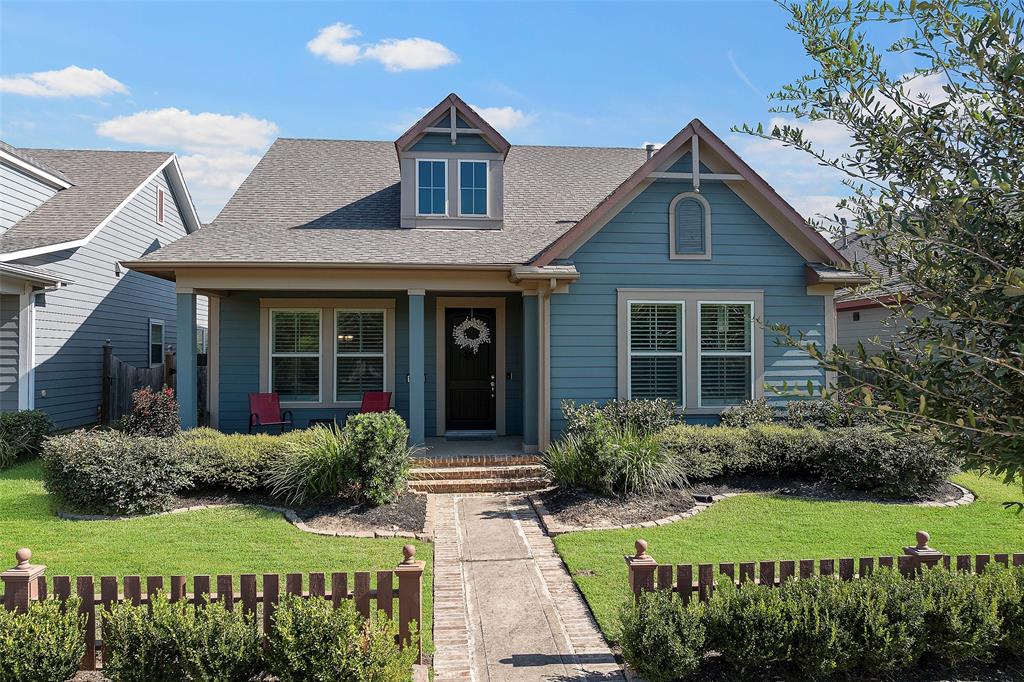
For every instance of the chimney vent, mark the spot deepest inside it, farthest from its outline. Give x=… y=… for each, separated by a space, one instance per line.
x=650 y=149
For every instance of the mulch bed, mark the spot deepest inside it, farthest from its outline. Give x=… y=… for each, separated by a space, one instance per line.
x=406 y=513
x=578 y=508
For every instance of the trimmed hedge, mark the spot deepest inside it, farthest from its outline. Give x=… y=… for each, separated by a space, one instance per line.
x=108 y=472
x=642 y=416
x=45 y=644
x=861 y=458
x=21 y=434
x=234 y=461
x=822 y=626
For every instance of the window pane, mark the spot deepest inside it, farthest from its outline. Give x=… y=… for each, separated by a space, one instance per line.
x=296 y=331
x=438 y=202
x=466 y=201
x=424 y=201
x=358 y=375
x=724 y=380
x=295 y=378
x=156 y=333
x=360 y=331
x=480 y=202
x=725 y=327
x=656 y=377
x=156 y=354
x=480 y=175
x=690 y=227
x=465 y=175
x=656 y=327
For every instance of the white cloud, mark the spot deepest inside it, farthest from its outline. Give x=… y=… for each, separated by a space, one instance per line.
x=179 y=128
x=332 y=43
x=71 y=81
x=219 y=149
x=504 y=118
x=395 y=54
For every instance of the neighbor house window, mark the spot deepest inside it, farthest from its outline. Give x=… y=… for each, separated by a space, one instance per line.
x=473 y=188
x=431 y=185
x=295 y=354
x=359 y=353
x=656 y=350
x=689 y=225
x=160 y=206
x=726 y=354
x=156 y=342
x=202 y=339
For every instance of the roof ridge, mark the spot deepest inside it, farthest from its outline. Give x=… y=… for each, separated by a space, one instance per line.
x=102 y=151
x=528 y=146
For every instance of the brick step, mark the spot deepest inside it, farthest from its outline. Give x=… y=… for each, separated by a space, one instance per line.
x=475 y=461
x=480 y=485
x=480 y=472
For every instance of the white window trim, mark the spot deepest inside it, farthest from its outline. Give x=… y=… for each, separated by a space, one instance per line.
x=161 y=206
x=458 y=189
x=319 y=354
x=701 y=353
x=163 y=341
x=383 y=354
x=681 y=353
x=447 y=190
x=672 y=253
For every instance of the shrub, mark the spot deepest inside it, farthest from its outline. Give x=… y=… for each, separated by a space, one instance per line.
x=886 y=615
x=765 y=449
x=775 y=450
x=961 y=615
x=21 y=434
x=314 y=642
x=154 y=413
x=1010 y=586
x=174 y=641
x=749 y=625
x=820 y=639
x=643 y=416
x=112 y=473
x=45 y=644
x=379 y=444
x=893 y=464
x=578 y=459
x=824 y=414
x=749 y=413
x=662 y=639
x=319 y=465
x=234 y=461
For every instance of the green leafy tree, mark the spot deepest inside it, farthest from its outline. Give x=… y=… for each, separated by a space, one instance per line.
x=931 y=95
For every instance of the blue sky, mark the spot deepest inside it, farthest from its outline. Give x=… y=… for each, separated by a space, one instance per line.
x=217 y=82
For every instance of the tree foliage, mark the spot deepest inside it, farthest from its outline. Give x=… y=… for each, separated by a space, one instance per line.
x=931 y=95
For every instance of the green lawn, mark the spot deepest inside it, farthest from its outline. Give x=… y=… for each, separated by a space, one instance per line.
x=216 y=541
x=761 y=527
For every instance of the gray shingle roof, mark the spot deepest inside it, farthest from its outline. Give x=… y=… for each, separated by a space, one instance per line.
x=337 y=201
x=21 y=154
x=886 y=281
x=101 y=181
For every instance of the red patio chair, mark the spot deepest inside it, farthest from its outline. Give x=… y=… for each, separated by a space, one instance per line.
x=265 y=411
x=373 y=401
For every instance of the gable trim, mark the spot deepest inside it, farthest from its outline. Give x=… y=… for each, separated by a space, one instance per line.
x=450 y=105
x=175 y=181
x=33 y=170
x=610 y=206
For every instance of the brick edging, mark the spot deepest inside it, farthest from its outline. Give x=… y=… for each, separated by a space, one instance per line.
x=553 y=527
x=426 y=535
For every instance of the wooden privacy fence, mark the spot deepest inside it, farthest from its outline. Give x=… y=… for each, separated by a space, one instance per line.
x=120 y=380
x=687 y=580
x=26 y=583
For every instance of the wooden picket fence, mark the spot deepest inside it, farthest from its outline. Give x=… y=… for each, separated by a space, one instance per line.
x=26 y=583
x=689 y=581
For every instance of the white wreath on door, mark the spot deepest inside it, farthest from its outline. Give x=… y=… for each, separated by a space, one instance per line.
x=463 y=340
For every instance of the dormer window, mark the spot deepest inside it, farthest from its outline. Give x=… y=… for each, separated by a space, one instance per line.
x=473 y=188
x=431 y=186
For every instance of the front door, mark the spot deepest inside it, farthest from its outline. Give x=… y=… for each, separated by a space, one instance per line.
x=469 y=375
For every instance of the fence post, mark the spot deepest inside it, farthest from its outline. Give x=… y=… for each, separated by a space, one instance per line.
x=410 y=607
x=105 y=397
x=641 y=570
x=21 y=584
x=923 y=556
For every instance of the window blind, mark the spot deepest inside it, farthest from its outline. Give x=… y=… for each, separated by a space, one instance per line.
x=656 y=351
x=726 y=357
x=295 y=354
x=690 y=233
x=359 y=362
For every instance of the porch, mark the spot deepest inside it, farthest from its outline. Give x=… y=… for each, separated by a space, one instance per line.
x=462 y=358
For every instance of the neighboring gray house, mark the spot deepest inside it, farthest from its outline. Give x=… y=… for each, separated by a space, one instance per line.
x=67 y=218
x=862 y=314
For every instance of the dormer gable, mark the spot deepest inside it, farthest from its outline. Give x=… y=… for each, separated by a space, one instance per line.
x=452 y=169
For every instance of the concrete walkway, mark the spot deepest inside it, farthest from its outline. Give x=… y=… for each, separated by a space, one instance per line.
x=514 y=613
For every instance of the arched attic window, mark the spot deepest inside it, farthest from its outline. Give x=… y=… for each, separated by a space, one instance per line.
x=689 y=227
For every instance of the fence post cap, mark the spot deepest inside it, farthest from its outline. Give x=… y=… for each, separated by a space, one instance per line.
x=23 y=555
x=641 y=557
x=409 y=552
x=641 y=549
x=23 y=570
x=921 y=549
x=922 y=539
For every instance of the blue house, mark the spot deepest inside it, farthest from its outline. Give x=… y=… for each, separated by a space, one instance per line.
x=483 y=283
x=67 y=219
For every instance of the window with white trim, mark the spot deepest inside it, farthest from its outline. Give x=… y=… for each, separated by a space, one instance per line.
x=656 y=351
x=156 y=342
x=359 y=364
x=473 y=188
x=431 y=187
x=295 y=354
x=726 y=353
